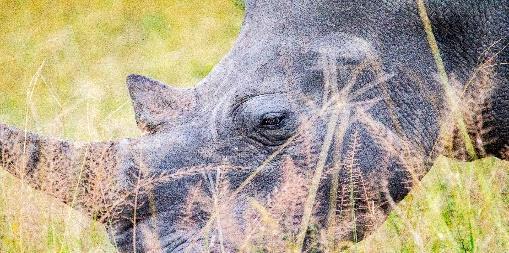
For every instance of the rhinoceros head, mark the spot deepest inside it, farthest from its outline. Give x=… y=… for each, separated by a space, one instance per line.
x=319 y=120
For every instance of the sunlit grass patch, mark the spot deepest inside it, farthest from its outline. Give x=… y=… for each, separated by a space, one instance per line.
x=90 y=47
x=31 y=221
x=459 y=207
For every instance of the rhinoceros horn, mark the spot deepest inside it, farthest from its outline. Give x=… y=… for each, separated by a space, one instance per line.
x=76 y=173
x=60 y=168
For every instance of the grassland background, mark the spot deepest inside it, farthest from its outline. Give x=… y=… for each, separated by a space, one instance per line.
x=84 y=51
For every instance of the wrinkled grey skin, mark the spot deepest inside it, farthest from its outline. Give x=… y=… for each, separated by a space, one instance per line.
x=271 y=85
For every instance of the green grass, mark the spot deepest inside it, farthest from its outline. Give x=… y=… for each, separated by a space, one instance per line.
x=87 y=50
x=33 y=222
x=459 y=207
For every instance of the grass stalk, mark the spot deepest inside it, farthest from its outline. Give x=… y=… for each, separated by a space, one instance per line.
x=310 y=200
x=444 y=79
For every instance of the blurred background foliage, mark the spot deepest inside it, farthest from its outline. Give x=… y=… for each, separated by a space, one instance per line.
x=85 y=50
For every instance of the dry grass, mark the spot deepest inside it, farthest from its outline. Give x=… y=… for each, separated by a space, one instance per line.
x=458 y=207
x=35 y=222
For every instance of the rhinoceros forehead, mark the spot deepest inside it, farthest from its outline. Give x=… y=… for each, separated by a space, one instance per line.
x=284 y=65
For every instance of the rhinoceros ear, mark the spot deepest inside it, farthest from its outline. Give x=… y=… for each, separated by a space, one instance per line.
x=157 y=105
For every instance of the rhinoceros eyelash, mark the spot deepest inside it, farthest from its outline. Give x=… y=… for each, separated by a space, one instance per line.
x=241 y=101
x=238 y=103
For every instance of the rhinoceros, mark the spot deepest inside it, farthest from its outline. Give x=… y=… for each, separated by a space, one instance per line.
x=319 y=120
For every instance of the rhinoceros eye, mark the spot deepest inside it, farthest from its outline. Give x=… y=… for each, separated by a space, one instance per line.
x=272 y=120
x=274 y=128
x=269 y=119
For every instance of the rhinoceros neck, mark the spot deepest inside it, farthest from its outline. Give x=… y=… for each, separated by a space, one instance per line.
x=318 y=16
